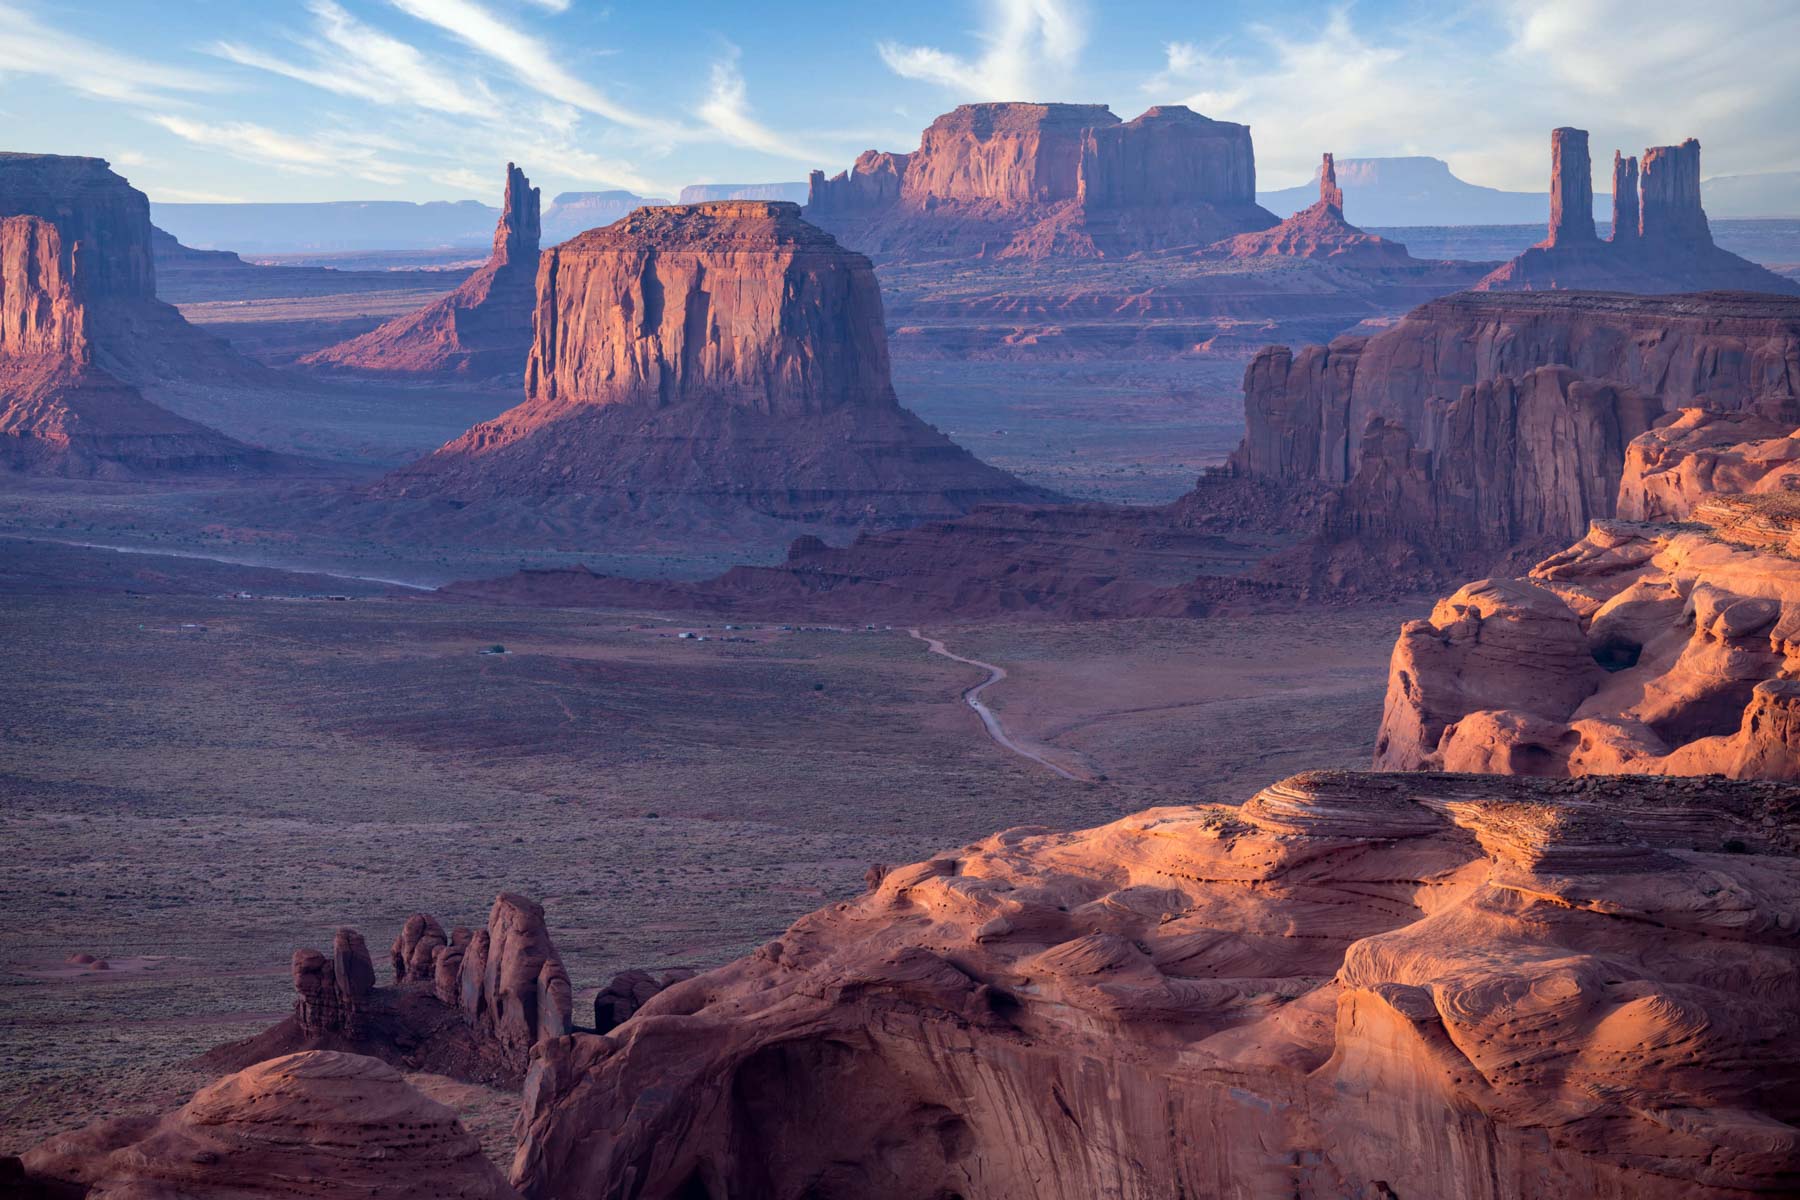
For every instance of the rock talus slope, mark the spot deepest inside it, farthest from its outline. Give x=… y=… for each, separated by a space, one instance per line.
x=319 y=1124
x=482 y=330
x=1351 y=986
x=724 y=354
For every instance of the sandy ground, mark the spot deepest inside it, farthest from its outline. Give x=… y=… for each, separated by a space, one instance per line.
x=191 y=786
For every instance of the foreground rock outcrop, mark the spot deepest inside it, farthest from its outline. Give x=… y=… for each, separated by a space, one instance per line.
x=479 y=332
x=1352 y=985
x=80 y=326
x=319 y=1124
x=723 y=356
x=1660 y=242
x=1040 y=181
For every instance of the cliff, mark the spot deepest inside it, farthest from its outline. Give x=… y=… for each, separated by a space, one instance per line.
x=1041 y=181
x=482 y=330
x=726 y=354
x=1661 y=241
x=1665 y=647
x=1351 y=985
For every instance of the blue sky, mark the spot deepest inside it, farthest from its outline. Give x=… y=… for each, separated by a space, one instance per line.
x=427 y=99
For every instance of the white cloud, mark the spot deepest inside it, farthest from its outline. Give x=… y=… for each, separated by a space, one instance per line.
x=727 y=112
x=30 y=47
x=1032 y=50
x=529 y=59
x=555 y=6
x=356 y=60
x=326 y=155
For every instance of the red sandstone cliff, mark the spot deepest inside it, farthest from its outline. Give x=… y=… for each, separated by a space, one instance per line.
x=482 y=330
x=1351 y=985
x=1661 y=241
x=1047 y=180
x=727 y=355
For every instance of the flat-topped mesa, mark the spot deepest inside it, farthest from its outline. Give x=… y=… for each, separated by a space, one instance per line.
x=1010 y=155
x=1169 y=156
x=482 y=330
x=1571 y=188
x=1329 y=191
x=94 y=209
x=1671 y=209
x=1625 y=199
x=726 y=354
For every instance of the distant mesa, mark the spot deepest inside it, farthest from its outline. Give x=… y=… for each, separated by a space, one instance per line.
x=571 y=213
x=1661 y=240
x=704 y=193
x=1035 y=181
x=479 y=332
x=726 y=355
x=81 y=331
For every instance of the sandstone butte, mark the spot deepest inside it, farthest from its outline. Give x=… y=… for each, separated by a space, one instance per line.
x=1350 y=986
x=1668 y=643
x=1319 y=231
x=1037 y=181
x=80 y=326
x=314 y=1124
x=479 y=332
x=1661 y=241
x=725 y=355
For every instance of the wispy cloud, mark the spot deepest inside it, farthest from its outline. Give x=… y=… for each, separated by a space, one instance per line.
x=351 y=58
x=1032 y=50
x=29 y=47
x=529 y=59
x=328 y=155
x=727 y=112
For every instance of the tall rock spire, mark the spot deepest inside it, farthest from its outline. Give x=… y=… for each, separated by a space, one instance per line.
x=1625 y=198
x=516 y=236
x=1671 y=195
x=1571 y=188
x=1329 y=191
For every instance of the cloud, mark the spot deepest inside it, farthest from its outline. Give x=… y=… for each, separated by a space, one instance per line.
x=1032 y=50
x=727 y=112
x=29 y=47
x=325 y=155
x=353 y=59
x=529 y=59
x=1483 y=88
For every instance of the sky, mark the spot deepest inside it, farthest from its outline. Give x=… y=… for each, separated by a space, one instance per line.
x=239 y=100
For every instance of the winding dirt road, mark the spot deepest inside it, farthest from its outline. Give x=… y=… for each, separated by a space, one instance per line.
x=989 y=719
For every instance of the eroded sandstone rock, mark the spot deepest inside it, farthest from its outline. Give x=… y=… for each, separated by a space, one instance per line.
x=334 y=992
x=1499 y=988
x=482 y=330
x=1319 y=232
x=320 y=1123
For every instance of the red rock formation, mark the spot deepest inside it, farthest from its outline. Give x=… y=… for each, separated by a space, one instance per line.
x=1661 y=241
x=482 y=330
x=726 y=356
x=1305 y=411
x=1657 y=648
x=318 y=1124
x=1571 y=189
x=1502 y=988
x=61 y=412
x=334 y=993
x=1319 y=232
x=629 y=991
x=414 y=953
x=1046 y=181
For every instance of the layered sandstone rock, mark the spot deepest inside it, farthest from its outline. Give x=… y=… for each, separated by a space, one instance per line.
x=415 y=949
x=1502 y=988
x=727 y=356
x=321 y=1124
x=628 y=992
x=1702 y=453
x=1042 y=181
x=1318 y=232
x=482 y=330
x=333 y=994
x=61 y=411
x=1306 y=411
x=1663 y=649
x=1661 y=241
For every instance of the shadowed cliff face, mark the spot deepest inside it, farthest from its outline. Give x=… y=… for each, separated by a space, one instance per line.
x=728 y=354
x=1352 y=985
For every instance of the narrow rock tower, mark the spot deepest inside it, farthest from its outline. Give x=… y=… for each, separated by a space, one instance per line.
x=1571 y=188
x=1671 y=195
x=1329 y=191
x=1625 y=199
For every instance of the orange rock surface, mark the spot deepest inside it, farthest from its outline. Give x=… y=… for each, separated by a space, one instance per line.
x=1352 y=985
